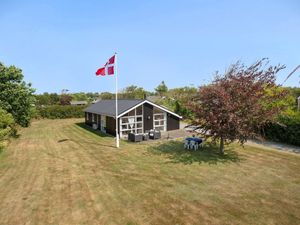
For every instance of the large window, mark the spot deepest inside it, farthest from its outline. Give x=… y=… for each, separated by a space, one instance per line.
x=159 y=119
x=132 y=122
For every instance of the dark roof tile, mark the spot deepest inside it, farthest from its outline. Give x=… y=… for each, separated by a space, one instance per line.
x=108 y=107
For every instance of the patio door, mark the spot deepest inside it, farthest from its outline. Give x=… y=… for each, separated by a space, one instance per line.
x=103 y=124
x=159 y=120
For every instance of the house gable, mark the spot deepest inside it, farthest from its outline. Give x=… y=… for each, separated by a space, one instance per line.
x=153 y=104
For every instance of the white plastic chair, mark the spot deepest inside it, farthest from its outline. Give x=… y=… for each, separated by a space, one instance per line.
x=201 y=144
x=186 y=144
x=194 y=145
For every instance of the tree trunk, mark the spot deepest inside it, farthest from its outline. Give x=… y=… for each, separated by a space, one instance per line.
x=222 y=146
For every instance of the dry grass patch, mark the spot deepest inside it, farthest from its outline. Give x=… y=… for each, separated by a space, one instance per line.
x=59 y=172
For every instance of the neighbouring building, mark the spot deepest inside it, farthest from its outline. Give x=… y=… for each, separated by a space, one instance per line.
x=78 y=102
x=95 y=100
x=136 y=116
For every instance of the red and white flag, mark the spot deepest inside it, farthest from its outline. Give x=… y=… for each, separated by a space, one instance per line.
x=108 y=69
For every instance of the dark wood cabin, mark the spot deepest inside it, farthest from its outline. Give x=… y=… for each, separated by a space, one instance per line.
x=136 y=116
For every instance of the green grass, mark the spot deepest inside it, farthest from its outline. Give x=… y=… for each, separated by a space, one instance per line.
x=61 y=172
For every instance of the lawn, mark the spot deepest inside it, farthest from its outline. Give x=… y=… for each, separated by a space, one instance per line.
x=59 y=172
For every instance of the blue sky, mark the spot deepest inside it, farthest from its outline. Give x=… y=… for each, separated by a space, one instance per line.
x=60 y=44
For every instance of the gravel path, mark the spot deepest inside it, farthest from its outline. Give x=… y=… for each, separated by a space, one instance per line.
x=255 y=143
x=274 y=145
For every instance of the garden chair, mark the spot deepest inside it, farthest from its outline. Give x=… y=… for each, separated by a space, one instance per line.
x=194 y=145
x=201 y=144
x=186 y=144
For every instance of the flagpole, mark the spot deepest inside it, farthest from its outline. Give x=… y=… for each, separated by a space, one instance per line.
x=116 y=75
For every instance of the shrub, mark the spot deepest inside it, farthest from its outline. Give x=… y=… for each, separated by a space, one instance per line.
x=287 y=129
x=7 y=126
x=16 y=96
x=60 y=111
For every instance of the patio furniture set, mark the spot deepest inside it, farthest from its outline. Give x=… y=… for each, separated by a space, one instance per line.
x=193 y=143
x=151 y=134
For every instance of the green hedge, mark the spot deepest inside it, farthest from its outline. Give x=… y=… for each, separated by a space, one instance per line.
x=60 y=111
x=287 y=130
x=7 y=127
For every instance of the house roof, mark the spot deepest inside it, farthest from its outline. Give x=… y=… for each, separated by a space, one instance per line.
x=108 y=107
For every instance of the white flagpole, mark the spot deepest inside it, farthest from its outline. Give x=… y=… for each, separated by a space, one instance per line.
x=117 y=133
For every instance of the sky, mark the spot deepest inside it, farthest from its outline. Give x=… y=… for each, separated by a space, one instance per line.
x=60 y=44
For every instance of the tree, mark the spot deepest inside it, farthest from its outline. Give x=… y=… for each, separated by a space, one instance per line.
x=54 y=99
x=81 y=96
x=43 y=99
x=92 y=96
x=7 y=125
x=133 y=92
x=182 y=98
x=238 y=103
x=106 y=95
x=178 y=99
x=65 y=99
x=161 y=89
x=16 y=96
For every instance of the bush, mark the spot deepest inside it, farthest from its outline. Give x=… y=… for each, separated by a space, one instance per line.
x=60 y=111
x=7 y=126
x=16 y=96
x=287 y=129
x=176 y=106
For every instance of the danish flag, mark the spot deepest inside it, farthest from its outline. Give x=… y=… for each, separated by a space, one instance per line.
x=108 y=68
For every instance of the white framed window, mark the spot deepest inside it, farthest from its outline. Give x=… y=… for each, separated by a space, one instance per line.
x=159 y=119
x=132 y=122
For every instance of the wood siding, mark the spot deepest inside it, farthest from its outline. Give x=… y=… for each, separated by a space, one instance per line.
x=88 y=120
x=110 y=125
x=148 y=112
x=172 y=122
x=99 y=122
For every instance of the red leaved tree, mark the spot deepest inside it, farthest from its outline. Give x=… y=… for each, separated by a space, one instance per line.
x=65 y=99
x=237 y=103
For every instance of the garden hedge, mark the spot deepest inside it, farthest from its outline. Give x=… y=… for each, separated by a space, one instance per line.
x=60 y=111
x=287 y=130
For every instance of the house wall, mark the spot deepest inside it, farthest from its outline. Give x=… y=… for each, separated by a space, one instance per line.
x=110 y=122
x=148 y=112
x=99 y=122
x=173 y=122
x=110 y=125
x=88 y=119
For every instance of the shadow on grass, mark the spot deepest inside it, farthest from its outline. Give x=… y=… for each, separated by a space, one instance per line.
x=97 y=132
x=88 y=128
x=63 y=140
x=207 y=154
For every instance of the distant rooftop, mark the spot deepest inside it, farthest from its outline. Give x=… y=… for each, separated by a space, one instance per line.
x=78 y=102
x=153 y=98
